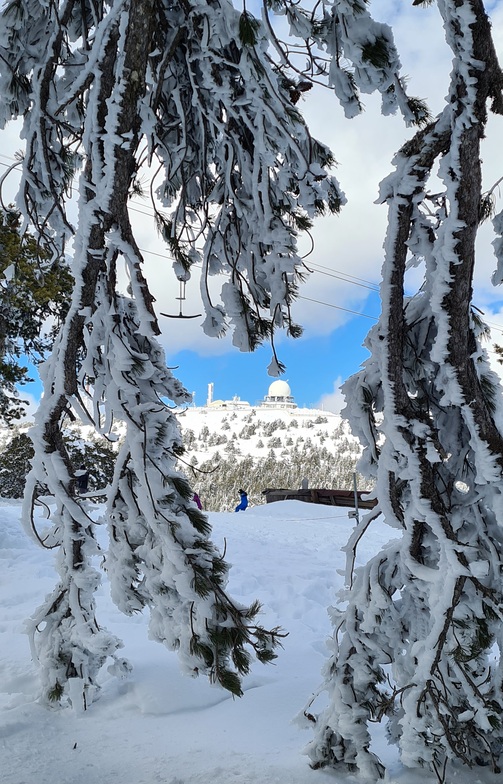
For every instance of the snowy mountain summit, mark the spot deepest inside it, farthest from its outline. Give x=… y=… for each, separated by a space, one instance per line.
x=231 y=444
x=228 y=445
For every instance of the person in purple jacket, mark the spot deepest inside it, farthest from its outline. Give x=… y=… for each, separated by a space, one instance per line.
x=243 y=502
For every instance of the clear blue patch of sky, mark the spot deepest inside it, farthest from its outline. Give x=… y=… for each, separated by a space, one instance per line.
x=312 y=365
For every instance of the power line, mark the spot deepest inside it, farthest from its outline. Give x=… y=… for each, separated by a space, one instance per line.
x=317 y=268
x=73 y=190
x=338 y=307
x=367 y=284
x=493 y=326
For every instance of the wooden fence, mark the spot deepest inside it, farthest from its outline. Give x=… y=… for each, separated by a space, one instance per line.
x=321 y=496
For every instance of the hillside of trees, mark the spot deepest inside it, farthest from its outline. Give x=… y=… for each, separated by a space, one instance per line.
x=242 y=449
x=255 y=452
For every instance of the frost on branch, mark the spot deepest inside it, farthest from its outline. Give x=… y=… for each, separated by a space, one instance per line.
x=190 y=95
x=349 y=52
x=420 y=643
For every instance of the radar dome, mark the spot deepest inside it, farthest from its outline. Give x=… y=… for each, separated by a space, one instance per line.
x=279 y=389
x=279 y=396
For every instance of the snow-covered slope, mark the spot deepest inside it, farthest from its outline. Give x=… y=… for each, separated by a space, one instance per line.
x=162 y=726
x=234 y=445
x=231 y=444
x=256 y=426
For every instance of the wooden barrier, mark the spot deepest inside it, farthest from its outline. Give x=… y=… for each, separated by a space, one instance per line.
x=321 y=496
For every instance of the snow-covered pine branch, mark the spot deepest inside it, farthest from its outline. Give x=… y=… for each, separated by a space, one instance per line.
x=348 y=51
x=420 y=642
x=190 y=92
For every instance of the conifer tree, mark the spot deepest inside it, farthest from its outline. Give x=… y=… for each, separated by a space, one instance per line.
x=14 y=465
x=420 y=641
x=191 y=94
x=33 y=289
x=17 y=452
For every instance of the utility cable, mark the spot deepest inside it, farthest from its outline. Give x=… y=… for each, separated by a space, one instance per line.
x=317 y=268
x=338 y=307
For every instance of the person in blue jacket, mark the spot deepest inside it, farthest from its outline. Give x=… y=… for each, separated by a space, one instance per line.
x=243 y=502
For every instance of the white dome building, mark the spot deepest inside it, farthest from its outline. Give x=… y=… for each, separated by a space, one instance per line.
x=279 y=396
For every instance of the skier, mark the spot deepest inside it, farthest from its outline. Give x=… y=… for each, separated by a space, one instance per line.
x=197 y=501
x=243 y=502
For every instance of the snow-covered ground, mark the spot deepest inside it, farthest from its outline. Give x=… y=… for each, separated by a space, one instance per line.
x=162 y=726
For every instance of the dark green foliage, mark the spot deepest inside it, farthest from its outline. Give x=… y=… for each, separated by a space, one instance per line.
x=14 y=465
x=248 y=28
x=419 y=110
x=486 y=207
x=377 y=53
x=55 y=694
x=230 y=681
x=199 y=521
x=242 y=660
x=295 y=331
x=182 y=487
x=33 y=288
x=266 y=656
x=96 y=454
x=499 y=353
x=178 y=251
x=227 y=644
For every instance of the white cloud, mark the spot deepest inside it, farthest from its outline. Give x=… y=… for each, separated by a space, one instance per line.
x=332 y=401
x=352 y=242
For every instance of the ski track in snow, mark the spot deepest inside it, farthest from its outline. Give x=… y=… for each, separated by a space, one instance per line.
x=163 y=726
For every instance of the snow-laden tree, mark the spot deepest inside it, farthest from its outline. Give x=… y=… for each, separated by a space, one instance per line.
x=419 y=643
x=188 y=94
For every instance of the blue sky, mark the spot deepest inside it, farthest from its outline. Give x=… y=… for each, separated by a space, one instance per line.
x=313 y=364
x=348 y=252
